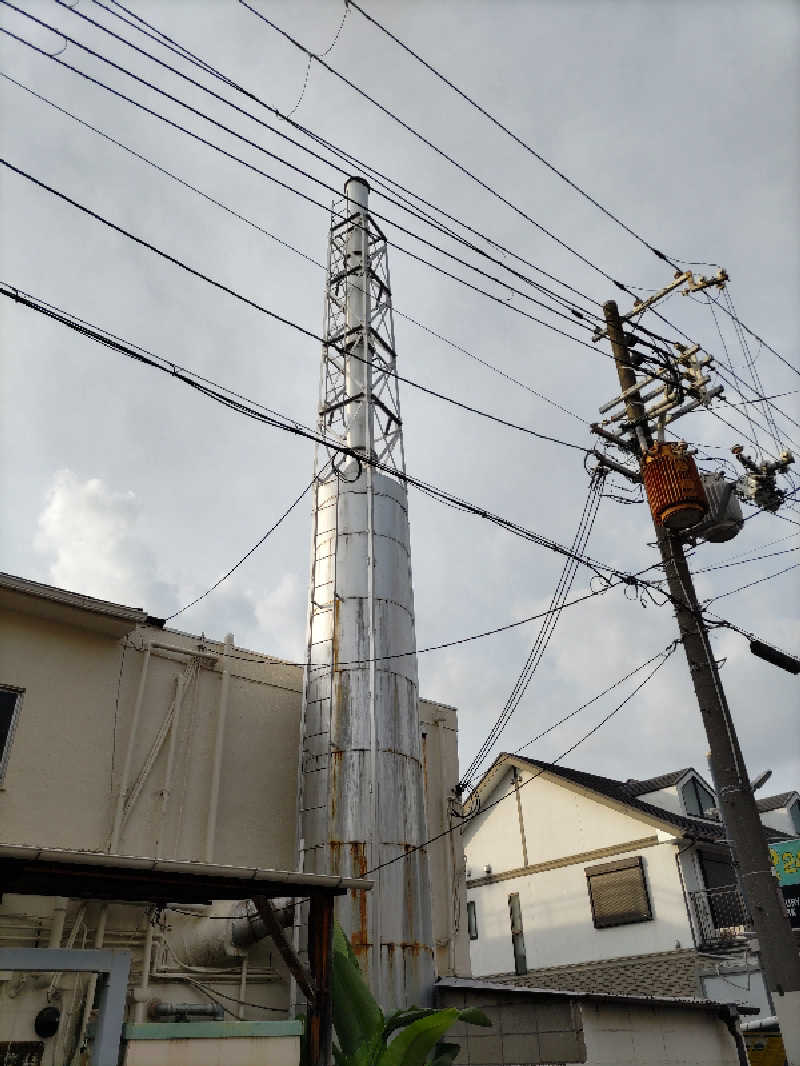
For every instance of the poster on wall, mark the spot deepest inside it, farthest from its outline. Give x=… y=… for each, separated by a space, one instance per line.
x=786 y=863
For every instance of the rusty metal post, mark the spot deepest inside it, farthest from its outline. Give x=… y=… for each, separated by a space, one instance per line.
x=320 y=958
x=779 y=956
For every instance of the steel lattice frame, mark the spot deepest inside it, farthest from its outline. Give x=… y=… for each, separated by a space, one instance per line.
x=377 y=335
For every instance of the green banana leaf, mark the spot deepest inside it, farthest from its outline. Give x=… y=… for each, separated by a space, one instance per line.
x=412 y=1045
x=445 y=1054
x=357 y=1018
x=404 y=1017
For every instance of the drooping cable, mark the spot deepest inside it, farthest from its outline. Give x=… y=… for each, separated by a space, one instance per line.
x=246 y=555
x=510 y=133
x=377 y=178
x=570 y=306
x=543 y=637
x=274 y=314
x=435 y=148
x=292 y=248
x=259 y=413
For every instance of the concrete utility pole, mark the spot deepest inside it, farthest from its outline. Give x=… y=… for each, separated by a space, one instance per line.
x=779 y=955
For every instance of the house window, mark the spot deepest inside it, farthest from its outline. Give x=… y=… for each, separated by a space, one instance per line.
x=472 y=920
x=618 y=893
x=794 y=814
x=697 y=800
x=10 y=702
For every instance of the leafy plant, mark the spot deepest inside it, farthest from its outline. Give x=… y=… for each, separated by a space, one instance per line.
x=406 y=1038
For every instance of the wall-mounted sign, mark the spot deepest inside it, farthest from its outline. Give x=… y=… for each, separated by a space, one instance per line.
x=786 y=861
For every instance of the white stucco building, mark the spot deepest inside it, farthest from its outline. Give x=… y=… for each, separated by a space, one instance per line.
x=582 y=882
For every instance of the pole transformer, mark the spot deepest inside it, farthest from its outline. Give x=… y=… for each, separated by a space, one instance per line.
x=778 y=950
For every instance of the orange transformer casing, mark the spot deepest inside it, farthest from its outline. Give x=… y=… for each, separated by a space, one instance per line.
x=674 y=490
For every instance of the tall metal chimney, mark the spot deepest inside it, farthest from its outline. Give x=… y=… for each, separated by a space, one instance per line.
x=361 y=802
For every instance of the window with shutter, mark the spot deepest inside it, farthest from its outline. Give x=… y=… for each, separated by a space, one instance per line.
x=618 y=893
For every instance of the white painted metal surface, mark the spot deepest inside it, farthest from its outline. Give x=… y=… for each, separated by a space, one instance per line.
x=361 y=787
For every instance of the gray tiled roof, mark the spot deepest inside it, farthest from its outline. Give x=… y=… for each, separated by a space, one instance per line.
x=774 y=803
x=698 y=828
x=653 y=784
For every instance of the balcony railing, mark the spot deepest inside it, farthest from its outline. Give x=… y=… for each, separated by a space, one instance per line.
x=721 y=915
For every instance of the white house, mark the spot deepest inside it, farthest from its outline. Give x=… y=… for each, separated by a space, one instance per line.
x=781 y=812
x=587 y=883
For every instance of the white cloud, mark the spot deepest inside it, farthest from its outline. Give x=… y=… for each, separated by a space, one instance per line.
x=280 y=615
x=89 y=533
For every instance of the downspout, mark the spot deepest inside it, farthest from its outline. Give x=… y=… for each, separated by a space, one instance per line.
x=99 y=939
x=211 y=829
x=450 y=861
x=59 y=917
x=686 y=897
x=140 y=1009
x=126 y=769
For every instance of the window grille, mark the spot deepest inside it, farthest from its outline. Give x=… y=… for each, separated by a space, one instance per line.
x=618 y=893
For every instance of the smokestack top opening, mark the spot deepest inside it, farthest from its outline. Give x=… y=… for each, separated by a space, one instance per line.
x=351 y=190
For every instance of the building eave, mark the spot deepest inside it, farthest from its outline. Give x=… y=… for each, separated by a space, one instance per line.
x=68 y=608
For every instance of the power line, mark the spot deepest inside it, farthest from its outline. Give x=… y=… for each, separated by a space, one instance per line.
x=743 y=562
x=327 y=52
x=259 y=413
x=290 y=247
x=518 y=140
x=263 y=415
x=246 y=555
x=439 y=151
x=295 y=191
x=668 y=651
x=749 y=585
x=755 y=336
x=662 y=655
x=580 y=314
x=656 y=336
x=594 y=699
x=273 y=314
x=543 y=637
x=376 y=176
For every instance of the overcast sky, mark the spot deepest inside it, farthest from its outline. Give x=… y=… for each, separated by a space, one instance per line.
x=682 y=118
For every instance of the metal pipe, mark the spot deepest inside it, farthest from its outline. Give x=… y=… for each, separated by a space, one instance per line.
x=144 y=984
x=59 y=917
x=165 y=792
x=194 y=653
x=183 y=1011
x=211 y=829
x=126 y=769
x=99 y=939
x=357 y=363
x=242 y=988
